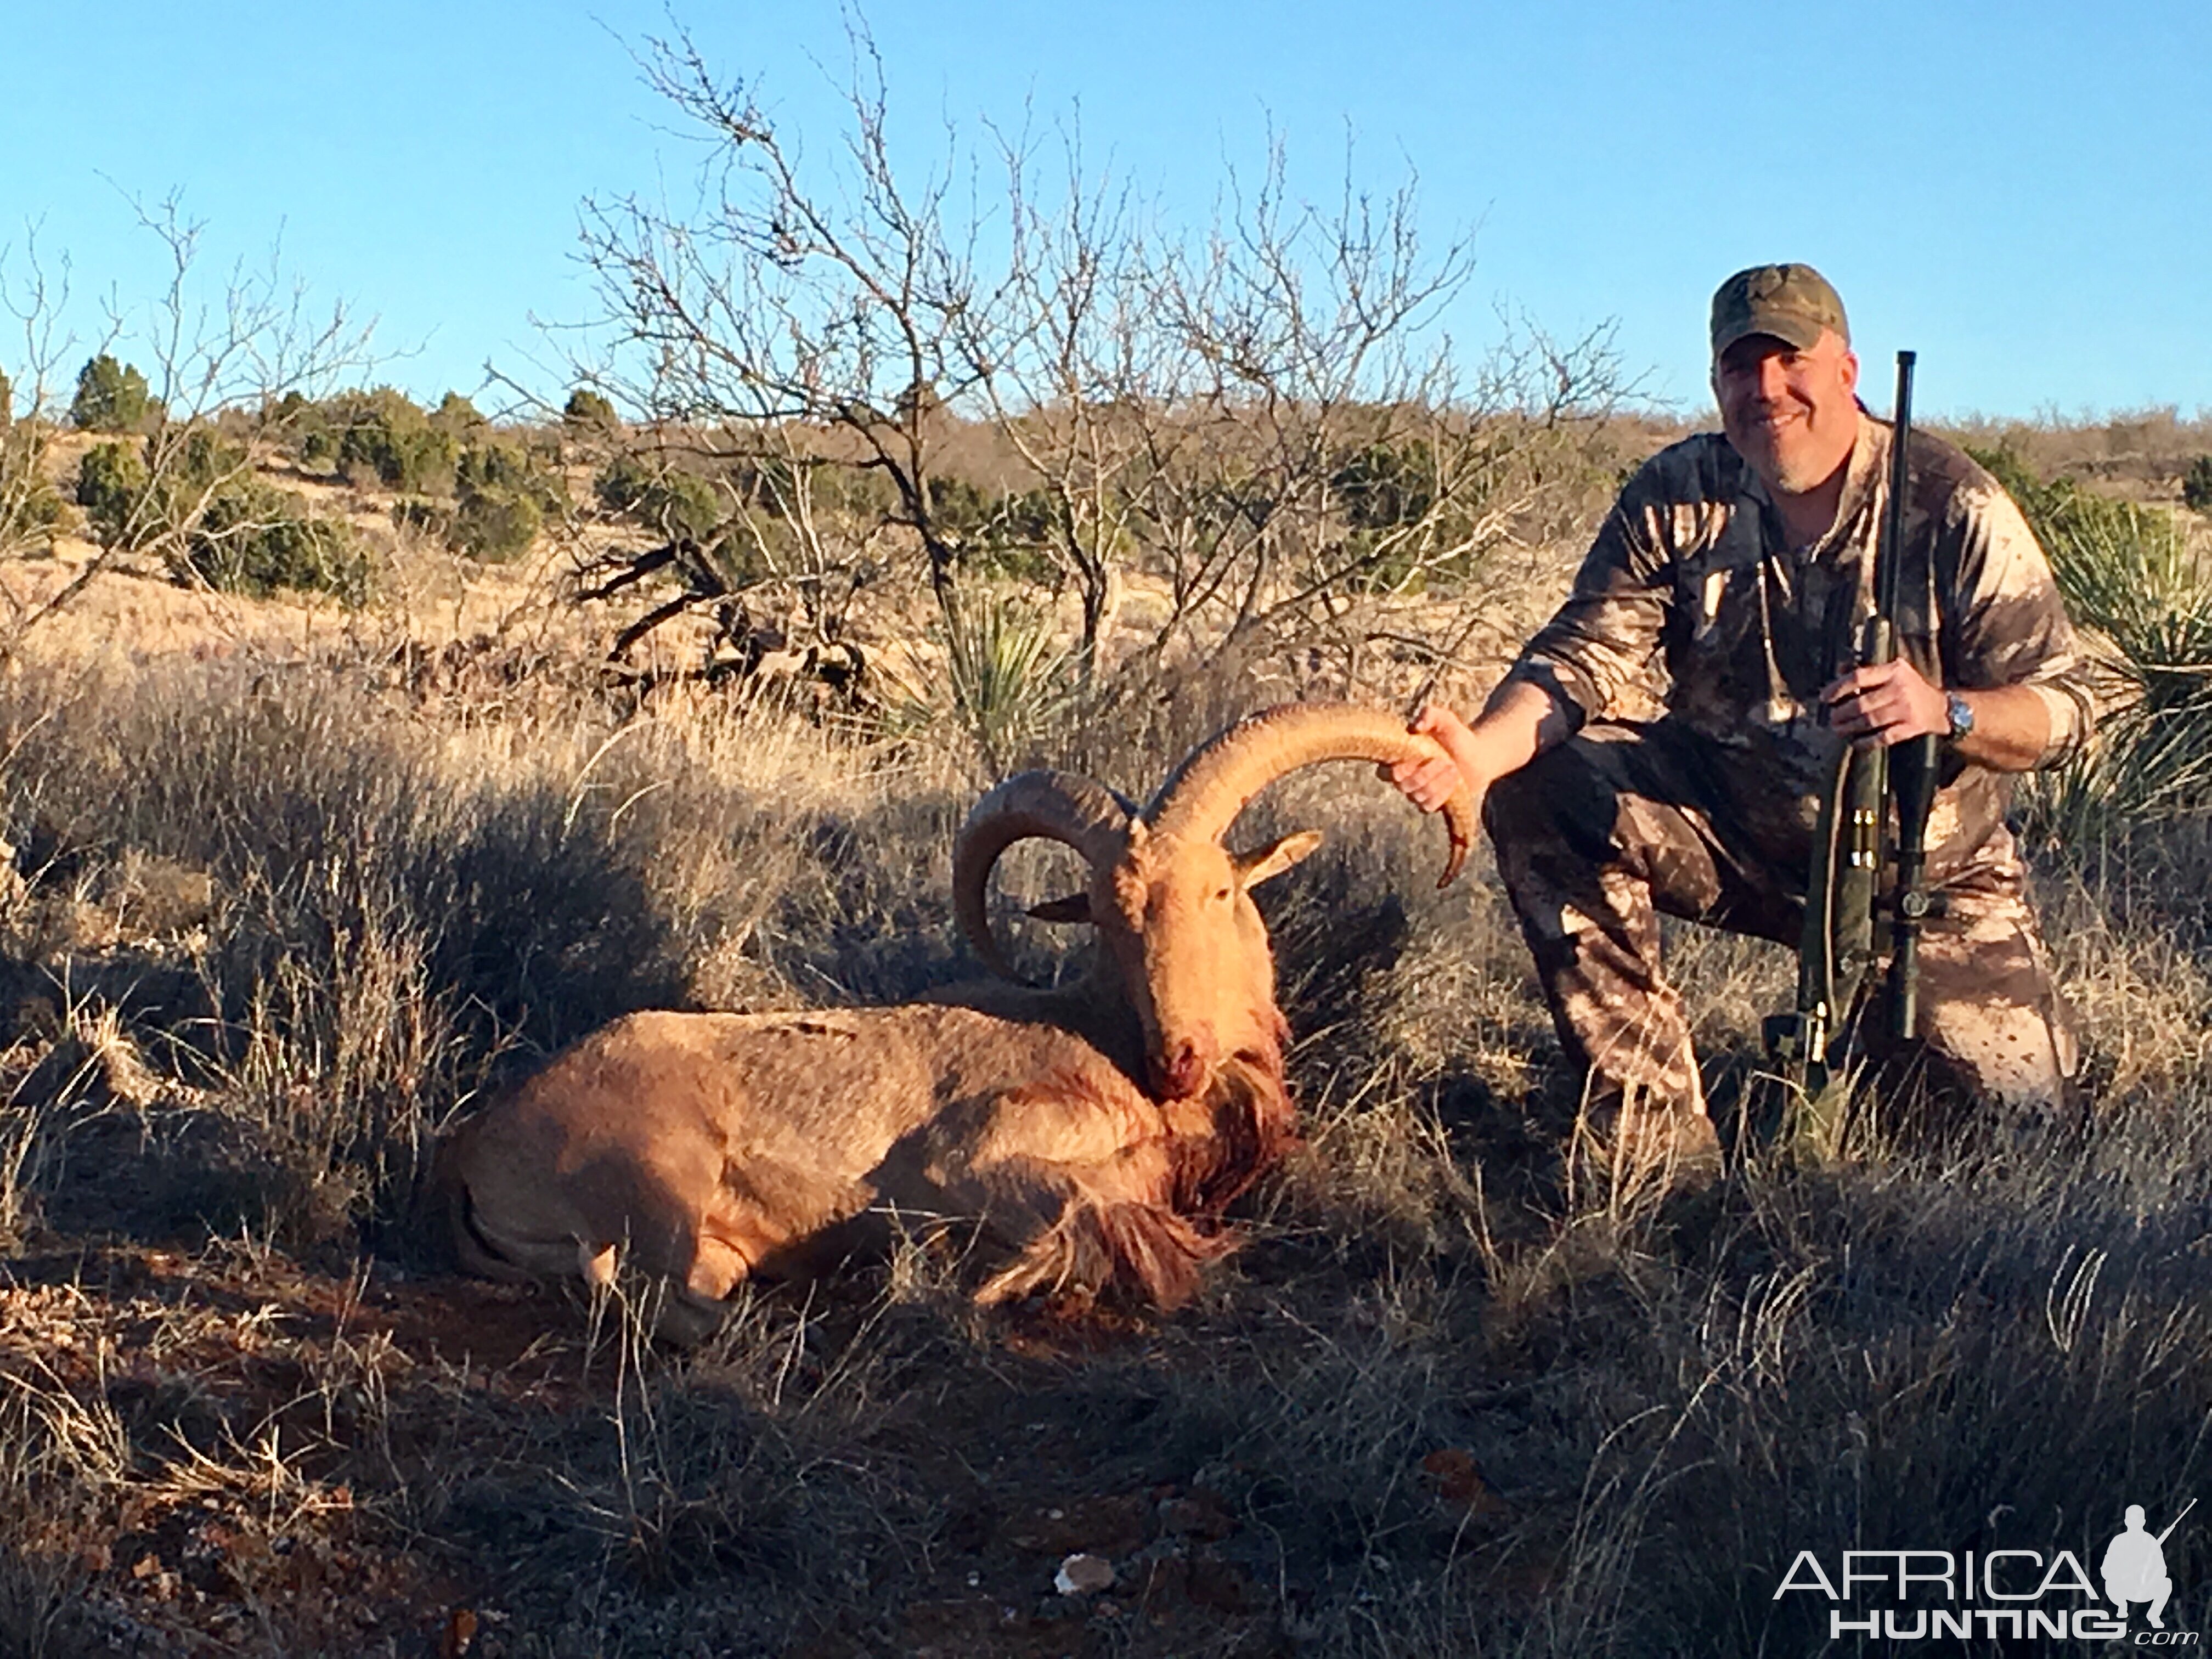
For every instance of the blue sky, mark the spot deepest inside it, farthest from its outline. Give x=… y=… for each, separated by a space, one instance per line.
x=2021 y=193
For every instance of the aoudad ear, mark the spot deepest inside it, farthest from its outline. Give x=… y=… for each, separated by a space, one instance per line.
x=1076 y=907
x=1265 y=863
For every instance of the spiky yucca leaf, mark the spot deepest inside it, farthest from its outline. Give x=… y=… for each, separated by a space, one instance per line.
x=1010 y=675
x=1008 y=682
x=2140 y=590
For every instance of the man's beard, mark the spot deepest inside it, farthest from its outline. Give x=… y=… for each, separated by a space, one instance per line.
x=1789 y=458
x=1800 y=474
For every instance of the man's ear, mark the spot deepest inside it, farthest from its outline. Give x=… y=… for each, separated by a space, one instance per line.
x=1076 y=907
x=1265 y=863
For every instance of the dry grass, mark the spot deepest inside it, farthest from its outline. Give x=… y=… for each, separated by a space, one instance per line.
x=277 y=916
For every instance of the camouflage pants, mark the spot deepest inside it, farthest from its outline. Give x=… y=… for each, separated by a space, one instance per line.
x=1599 y=836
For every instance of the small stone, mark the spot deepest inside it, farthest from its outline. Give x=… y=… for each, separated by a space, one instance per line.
x=1084 y=1574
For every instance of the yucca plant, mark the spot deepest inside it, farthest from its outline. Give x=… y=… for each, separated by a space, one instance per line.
x=2140 y=590
x=1008 y=681
x=1010 y=678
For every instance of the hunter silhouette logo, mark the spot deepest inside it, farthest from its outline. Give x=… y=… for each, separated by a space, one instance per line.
x=2135 y=1566
x=1904 y=1595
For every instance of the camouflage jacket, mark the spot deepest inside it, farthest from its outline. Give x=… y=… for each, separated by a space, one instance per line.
x=1692 y=572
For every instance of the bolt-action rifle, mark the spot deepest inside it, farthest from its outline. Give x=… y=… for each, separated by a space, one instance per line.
x=2176 y=1522
x=1851 y=917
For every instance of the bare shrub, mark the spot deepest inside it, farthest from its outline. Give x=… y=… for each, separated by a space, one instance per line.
x=33 y=297
x=1256 y=427
x=184 y=494
x=2136 y=454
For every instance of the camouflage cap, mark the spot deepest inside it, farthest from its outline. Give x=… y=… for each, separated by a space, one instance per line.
x=1792 y=303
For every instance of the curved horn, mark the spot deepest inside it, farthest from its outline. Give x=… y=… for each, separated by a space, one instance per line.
x=1062 y=806
x=1203 y=796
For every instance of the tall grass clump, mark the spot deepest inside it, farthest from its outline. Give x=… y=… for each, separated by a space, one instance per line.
x=2143 y=586
x=399 y=917
x=1008 y=675
x=60 y=1459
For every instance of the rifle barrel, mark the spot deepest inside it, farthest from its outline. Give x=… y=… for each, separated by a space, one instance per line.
x=1911 y=772
x=2176 y=1522
x=1891 y=552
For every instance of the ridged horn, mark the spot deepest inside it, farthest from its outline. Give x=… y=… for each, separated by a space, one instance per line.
x=1216 y=781
x=1061 y=806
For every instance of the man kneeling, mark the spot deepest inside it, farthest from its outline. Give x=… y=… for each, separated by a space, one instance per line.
x=1743 y=560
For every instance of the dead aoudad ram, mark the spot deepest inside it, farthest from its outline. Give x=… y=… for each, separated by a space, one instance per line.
x=1091 y=1134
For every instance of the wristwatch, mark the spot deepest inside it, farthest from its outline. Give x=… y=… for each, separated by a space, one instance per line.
x=1961 y=714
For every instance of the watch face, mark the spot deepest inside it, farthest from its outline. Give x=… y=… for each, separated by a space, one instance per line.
x=1961 y=714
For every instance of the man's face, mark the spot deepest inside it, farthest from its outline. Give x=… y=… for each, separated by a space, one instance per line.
x=1792 y=414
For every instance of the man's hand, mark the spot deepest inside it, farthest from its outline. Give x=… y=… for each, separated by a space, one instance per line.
x=1430 y=783
x=1517 y=724
x=1886 y=705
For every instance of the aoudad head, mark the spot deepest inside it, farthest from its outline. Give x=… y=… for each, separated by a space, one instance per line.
x=1168 y=891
